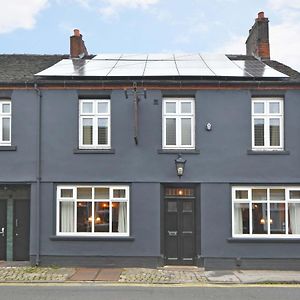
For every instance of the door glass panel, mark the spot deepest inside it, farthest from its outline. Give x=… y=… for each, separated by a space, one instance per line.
x=187 y=206
x=102 y=217
x=172 y=206
x=84 y=216
x=180 y=192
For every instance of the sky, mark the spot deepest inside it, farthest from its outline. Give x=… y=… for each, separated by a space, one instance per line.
x=146 y=26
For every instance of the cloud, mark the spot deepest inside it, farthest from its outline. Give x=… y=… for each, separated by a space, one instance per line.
x=284 y=4
x=112 y=8
x=15 y=14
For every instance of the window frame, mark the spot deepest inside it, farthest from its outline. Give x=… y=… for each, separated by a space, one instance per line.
x=178 y=116
x=5 y=116
x=250 y=201
x=266 y=116
x=94 y=115
x=75 y=200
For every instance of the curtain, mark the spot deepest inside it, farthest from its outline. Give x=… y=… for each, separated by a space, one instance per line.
x=294 y=214
x=238 y=219
x=67 y=217
x=122 y=224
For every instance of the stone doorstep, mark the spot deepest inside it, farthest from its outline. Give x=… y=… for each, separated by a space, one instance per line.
x=96 y=274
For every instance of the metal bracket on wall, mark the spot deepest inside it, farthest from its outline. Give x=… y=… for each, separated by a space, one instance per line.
x=135 y=93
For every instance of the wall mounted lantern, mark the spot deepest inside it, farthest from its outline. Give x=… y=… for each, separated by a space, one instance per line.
x=179 y=164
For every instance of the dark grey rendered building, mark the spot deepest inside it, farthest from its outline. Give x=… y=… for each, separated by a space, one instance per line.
x=146 y=160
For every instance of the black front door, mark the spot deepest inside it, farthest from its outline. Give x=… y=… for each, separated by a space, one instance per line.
x=21 y=229
x=179 y=227
x=2 y=229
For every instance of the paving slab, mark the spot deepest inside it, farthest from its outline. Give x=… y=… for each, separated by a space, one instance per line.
x=85 y=274
x=221 y=277
x=108 y=274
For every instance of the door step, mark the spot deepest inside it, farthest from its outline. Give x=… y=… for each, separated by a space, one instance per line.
x=182 y=268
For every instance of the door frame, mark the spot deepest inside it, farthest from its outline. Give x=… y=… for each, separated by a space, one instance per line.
x=197 y=228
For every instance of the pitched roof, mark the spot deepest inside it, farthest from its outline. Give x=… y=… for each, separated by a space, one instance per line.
x=22 y=67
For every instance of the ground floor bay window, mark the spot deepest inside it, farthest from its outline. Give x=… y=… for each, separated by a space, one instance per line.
x=266 y=211
x=93 y=210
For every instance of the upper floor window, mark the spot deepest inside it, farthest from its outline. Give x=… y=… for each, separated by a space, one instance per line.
x=178 y=123
x=5 y=123
x=92 y=210
x=267 y=124
x=94 y=124
x=259 y=211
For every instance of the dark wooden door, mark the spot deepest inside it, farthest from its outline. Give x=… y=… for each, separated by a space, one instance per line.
x=179 y=235
x=21 y=227
x=2 y=229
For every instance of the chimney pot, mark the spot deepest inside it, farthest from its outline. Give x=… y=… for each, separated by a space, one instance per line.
x=76 y=32
x=261 y=15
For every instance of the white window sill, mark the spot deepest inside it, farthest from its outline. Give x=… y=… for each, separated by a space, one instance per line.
x=178 y=150
x=267 y=152
x=91 y=238
x=264 y=239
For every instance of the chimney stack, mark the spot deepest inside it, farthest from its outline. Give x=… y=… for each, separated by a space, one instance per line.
x=77 y=47
x=257 y=43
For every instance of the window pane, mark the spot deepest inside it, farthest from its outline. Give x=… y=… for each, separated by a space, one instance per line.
x=241 y=218
x=259 y=194
x=274 y=132
x=119 y=217
x=6 y=129
x=66 y=193
x=102 y=217
x=294 y=218
x=101 y=193
x=180 y=192
x=277 y=218
x=295 y=195
x=102 y=107
x=274 y=108
x=87 y=131
x=87 y=107
x=102 y=131
x=119 y=193
x=277 y=194
x=170 y=131
x=241 y=194
x=66 y=217
x=259 y=108
x=172 y=206
x=187 y=206
x=259 y=132
x=6 y=108
x=84 y=217
x=259 y=218
x=186 y=134
x=84 y=193
x=186 y=107
x=171 y=107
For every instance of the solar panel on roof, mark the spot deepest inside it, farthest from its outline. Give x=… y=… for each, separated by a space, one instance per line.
x=160 y=64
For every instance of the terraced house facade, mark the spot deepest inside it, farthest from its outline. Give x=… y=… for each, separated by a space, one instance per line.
x=150 y=159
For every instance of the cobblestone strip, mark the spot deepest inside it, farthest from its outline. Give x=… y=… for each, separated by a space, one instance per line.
x=34 y=274
x=159 y=276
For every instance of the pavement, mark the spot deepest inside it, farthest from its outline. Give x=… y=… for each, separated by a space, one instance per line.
x=21 y=272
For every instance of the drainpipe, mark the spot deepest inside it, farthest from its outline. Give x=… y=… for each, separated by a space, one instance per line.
x=38 y=171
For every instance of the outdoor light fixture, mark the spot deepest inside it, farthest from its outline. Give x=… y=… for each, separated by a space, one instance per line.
x=179 y=164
